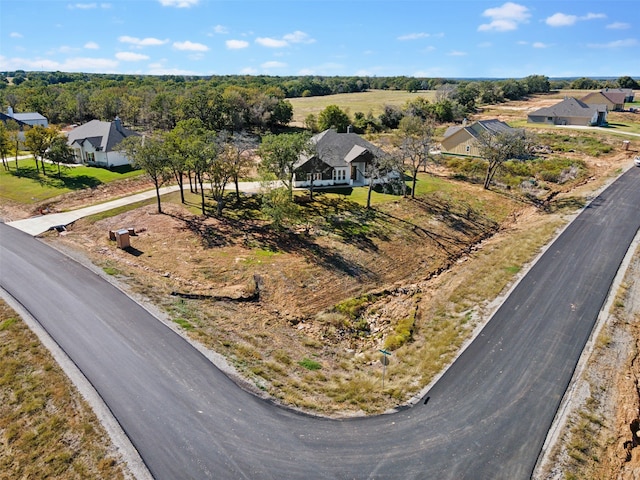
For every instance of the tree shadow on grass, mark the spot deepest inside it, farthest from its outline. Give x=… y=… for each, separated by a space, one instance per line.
x=329 y=259
x=254 y=234
x=51 y=180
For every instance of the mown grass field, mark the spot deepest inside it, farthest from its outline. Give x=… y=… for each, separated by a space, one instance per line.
x=25 y=185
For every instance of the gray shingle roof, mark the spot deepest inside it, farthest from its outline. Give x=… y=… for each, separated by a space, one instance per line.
x=569 y=107
x=103 y=136
x=29 y=116
x=340 y=149
x=476 y=128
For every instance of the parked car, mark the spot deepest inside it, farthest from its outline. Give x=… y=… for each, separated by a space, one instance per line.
x=637 y=161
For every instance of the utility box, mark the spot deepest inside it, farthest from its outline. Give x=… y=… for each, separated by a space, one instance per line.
x=122 y=238
x=625 y=144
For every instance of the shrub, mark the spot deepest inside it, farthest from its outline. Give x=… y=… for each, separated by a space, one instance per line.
x=309 y=364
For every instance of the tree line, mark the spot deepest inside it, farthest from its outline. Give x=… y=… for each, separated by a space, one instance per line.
x=237 y=102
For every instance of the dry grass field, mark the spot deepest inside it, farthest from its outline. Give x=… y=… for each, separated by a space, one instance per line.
x=47 y=430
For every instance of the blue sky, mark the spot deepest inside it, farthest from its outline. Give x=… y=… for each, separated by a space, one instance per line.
x=444 y=38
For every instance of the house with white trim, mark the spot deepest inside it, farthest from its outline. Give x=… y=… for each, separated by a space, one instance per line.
x=463 y=139
x=96 y=142
x=339 y=159
x=570 y=111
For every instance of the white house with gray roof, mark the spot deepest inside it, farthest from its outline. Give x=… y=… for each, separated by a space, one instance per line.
x=339 y=159
x=570 y=111
x=28 y=118
x=95 y=143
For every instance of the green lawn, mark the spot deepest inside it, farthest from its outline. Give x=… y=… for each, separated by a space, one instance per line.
x=25 y=185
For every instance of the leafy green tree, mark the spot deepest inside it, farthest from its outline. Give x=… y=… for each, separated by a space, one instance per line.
x=5 y=144
x=513 y=89
x=333 y=117
x=311 y=123
x=497 y=148
x=279 y=154
x=220 y=170
x=280 y=208
x=150 y=154
x=178 y=144
x=37 y=140
x=209 y=106
x=13 y=130
x=413 y=141
x=391 y=116
x=585 y=83
x=60 y=152
x=537 y=84
x=204 y=148
x=628 y=82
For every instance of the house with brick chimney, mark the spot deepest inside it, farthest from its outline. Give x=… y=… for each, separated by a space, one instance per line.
x=96 y=142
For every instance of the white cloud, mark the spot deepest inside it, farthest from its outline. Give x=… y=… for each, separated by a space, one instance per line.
x=564 y=20
x=540 y=45
x=91 y=46
x=505 y=18
x=273 y=64
x=78 y=64
x=142 y=42
x=236 y=44
x=190 y=46
x=561 y=20
x=131 y=56
x=83 y=6
x=457 y=53
x=220 y=30
x=271 y=42
x=414 y=36
x=629 y=42
x=249 y=71
x=286 y=40
x=15 y=35
x=298 y=37
x=179 y=3
x=618 y=26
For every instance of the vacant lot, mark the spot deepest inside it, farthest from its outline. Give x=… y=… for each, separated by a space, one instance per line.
x=301 y=314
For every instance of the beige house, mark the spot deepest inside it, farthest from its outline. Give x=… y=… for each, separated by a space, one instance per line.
x=462 y=140
x=613 y=100
x=570 y=111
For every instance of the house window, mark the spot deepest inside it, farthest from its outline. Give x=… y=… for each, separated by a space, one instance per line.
x=339 y=174
x=91 y=157
x=468 y=148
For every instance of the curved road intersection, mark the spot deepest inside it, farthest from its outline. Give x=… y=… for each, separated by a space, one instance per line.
x=487 y=417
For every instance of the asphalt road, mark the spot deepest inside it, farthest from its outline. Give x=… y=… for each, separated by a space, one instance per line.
x=486 y=418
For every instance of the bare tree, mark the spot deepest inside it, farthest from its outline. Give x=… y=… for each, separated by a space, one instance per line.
x=382 y=167
x=238 y=148
x=413 y=142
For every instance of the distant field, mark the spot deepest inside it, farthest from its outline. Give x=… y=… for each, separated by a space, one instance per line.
x=372 y=101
